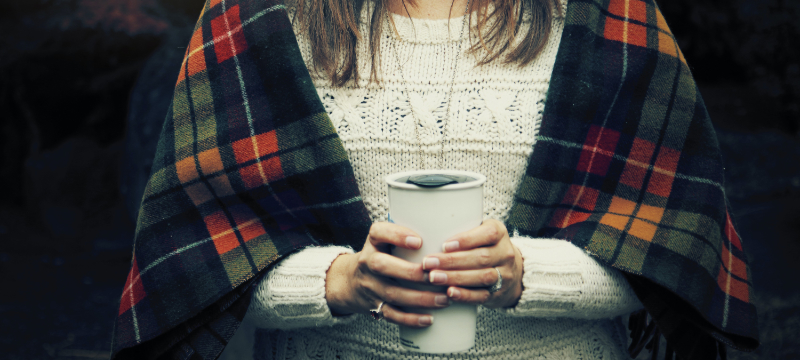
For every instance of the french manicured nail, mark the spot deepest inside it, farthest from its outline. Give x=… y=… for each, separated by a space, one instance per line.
x=430 y=263
x=454 y=293
x=413 y=242
x=441 y=300
x=426 y=320
x=438 y=277
x=450 y=246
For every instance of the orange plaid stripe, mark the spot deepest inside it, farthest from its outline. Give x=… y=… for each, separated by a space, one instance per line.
x=643 y=226
x=221 y=232
x=197 y=60
x=248 y=149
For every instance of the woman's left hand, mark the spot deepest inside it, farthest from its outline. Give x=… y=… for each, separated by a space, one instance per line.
x=467 y=266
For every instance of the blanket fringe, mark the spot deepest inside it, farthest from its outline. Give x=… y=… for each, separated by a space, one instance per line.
x=646 y=335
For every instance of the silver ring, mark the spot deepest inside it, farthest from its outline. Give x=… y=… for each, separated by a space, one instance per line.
x=498 y=284
x=377 y=314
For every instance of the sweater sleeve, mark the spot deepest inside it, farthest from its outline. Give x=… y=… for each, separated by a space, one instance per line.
x=292 y=294
x=561 y=280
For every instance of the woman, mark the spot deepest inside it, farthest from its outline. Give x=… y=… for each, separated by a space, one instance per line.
x=251 y=169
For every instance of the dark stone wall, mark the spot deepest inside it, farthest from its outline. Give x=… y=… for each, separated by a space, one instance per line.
x=67 y=69
x=749 y=44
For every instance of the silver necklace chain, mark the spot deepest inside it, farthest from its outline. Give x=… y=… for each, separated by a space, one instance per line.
x=416 y=119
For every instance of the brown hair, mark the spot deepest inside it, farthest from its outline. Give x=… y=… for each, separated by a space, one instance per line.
x=332 y=29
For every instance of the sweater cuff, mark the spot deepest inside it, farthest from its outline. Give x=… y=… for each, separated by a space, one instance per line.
x=561 y=280
x=292 y=295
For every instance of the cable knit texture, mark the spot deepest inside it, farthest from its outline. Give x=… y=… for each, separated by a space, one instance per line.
x=495 y=114
x=293 y=293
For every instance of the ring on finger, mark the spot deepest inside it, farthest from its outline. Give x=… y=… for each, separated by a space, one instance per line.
x=377 y=313
x=498 y=284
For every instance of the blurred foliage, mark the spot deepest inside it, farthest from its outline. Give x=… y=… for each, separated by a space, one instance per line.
x=756 y=42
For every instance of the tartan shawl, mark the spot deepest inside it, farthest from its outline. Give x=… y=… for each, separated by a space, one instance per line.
x=249 y=168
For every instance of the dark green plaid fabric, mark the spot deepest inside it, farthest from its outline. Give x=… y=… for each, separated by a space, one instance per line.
x=627 y=166
x=249 y=168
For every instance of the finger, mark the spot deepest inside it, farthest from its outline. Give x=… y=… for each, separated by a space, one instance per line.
x=402 y=296
x=464 y=278
x=393 y=267
x=480 y=258
x=398 y=317
x=489 y=233
x=382 y=234
x=469 y=296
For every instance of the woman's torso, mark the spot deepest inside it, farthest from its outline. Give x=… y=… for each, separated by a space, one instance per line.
x=495 y=112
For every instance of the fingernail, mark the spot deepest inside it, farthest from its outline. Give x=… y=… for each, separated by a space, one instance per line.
x=426 y=320
x=454 y=293
x=441 y=300
x=413 y=242
x=430 y=263
x=450 y=246
x=437 y=277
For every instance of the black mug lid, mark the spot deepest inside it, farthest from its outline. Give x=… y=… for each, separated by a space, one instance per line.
x=437 y=180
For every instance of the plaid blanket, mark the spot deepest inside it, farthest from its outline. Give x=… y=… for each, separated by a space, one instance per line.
x=249 y=168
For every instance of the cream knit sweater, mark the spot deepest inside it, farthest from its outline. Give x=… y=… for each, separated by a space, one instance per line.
x=571 y=305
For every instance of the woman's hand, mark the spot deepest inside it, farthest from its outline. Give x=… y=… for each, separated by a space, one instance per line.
x=468 y=262
x=359 y=282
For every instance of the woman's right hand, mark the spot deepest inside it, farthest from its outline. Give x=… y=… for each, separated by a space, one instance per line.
x=359 y=282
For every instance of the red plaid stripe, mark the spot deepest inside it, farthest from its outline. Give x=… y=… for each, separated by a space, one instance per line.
x=664 y=172
x=565 y=217
x=731 y=233
x=262 y=172
x=626 y=32
x=732 y=286
x=133 y=291
x=582 y=197
x=597 y=154
x=229 y=39
x=247 y=223
x=636 y=168
x=735 y=265
x=631 y=9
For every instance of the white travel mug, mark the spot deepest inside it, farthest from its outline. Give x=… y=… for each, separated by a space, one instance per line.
x=437 y=204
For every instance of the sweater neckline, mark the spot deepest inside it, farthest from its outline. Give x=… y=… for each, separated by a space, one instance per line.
x=428 y=31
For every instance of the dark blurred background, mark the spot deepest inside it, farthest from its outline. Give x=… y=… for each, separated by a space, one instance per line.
x=84 y=87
